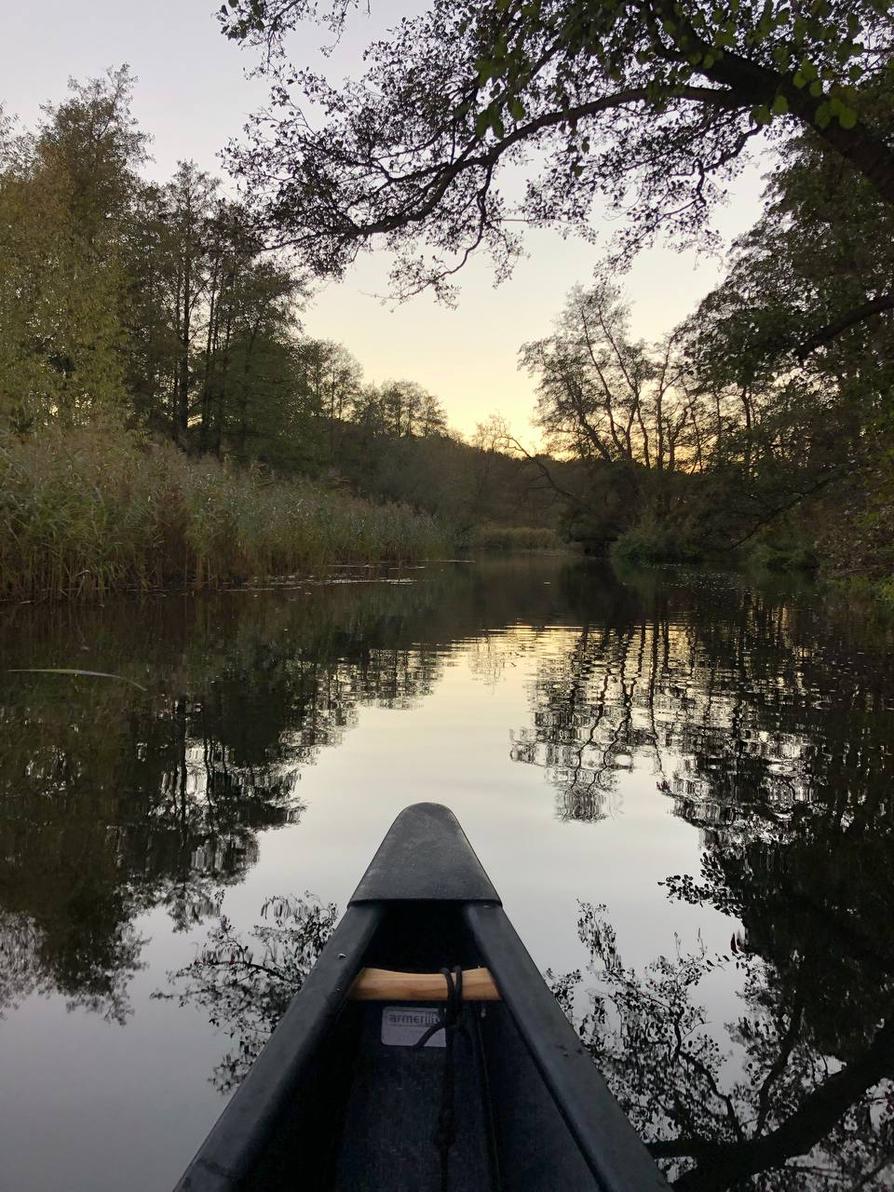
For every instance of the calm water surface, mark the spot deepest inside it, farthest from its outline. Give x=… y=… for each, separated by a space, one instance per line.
x=681 y=786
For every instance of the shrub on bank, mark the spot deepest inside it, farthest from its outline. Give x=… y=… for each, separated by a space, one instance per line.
x=782 y=556
x=651 y=542
x=91 y=511
x=493 y=537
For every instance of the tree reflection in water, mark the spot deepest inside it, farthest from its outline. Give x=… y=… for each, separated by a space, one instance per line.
x=778 y=1103
x=783 y=1100
x=769 y=725
x=743 y=704
x=113 y=801
x=766 y=723
x=245 y=985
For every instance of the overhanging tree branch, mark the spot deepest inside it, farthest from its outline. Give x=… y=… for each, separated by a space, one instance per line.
x=831 y=330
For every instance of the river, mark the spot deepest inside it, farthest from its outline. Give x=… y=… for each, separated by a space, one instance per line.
x=681 y=783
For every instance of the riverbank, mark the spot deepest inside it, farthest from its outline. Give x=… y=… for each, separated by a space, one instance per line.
x=84 y=513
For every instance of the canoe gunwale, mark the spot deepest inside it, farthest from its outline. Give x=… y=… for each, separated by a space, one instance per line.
x=236 y=1141
x=614 y=1152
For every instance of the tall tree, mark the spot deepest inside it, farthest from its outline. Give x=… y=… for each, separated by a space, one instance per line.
x=798 y=339
x=627 y=410
x=610 y=398
x=67 y=192
x=188 y=208
x=214 y=318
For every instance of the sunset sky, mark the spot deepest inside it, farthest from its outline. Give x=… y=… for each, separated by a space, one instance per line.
x=192 y=96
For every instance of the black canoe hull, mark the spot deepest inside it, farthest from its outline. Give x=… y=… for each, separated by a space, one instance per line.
x=340 y=1101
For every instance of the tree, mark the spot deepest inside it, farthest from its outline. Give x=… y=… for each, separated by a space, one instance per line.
x=608 y=398
x=251 y=387
x=628 y=411
x=67 y=192
x=331 y=384
x=798 y=343
x=816 y=267
x=213 y=320
x=408 y=411
x=649 y=104
x=187 y=209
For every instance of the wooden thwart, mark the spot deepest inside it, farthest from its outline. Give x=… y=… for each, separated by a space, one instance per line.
x=383 y=985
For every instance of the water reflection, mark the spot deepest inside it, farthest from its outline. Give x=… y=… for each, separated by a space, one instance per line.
x=113 y=800
x=785 y=1098
x=764 y=721
x=746 y=706
x=769 y=726
x=245 y=983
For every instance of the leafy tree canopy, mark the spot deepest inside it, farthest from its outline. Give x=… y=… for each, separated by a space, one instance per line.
x=806 y=284
x=646 y=104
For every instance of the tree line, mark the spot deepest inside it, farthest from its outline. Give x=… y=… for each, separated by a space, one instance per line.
x=748 y=423
x=159 y=304
x=766 y=415
x=159 y=308
x=761 y=423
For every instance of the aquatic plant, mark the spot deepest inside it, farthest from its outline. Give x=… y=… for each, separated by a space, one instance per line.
x=90 y=511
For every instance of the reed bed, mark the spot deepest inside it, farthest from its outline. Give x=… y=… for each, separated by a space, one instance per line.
x=84 y=513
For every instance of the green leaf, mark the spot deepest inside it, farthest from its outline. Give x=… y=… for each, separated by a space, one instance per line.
x=482 y=122
x=808 y=70
x=516 y=108
x=779 y=106
x=823 y=115
x=816 y=88
x=799 y=80
x=847 y=117
x=761 y=114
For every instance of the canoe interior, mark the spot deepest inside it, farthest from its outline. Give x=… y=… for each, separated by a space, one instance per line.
x=365 y=1114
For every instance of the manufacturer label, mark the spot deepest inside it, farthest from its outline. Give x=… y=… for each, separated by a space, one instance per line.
x=404 y=1026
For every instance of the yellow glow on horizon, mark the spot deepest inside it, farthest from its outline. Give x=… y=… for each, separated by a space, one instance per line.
x=467 y=355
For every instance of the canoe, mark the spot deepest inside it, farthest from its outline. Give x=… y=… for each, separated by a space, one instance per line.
x=423 y=1053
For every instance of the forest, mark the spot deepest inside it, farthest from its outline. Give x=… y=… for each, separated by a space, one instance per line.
x=165 y=420
x=764 y=421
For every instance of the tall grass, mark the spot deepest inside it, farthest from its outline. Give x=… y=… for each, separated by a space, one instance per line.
x=87 y=512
